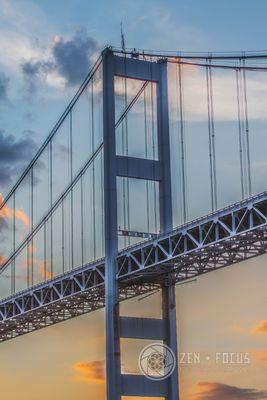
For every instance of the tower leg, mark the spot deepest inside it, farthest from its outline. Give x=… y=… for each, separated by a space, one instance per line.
x=169 y=317
x=113 y=368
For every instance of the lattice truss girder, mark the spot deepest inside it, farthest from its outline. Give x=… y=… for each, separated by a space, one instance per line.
x=226 y=237
x=219 y=239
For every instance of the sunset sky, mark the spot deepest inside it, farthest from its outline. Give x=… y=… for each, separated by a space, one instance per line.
x=222 y=312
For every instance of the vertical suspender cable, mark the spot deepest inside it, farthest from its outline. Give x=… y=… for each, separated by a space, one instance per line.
x=45 y=250
x=28 y=266
x=14 y=245
x=240 y=132
x=94 y=194
x=102 y=202
x=153 y=144
x=51 y=202
x=179 y=115
x=182 y=144
x=127 y=165
x=28 y=254
x=243 y=130
x=211 y=139
x=71 y=196
x=247 y=129
x=82 y=221
x=124 y=152
x=63 y=234
x=67 y=246
x=32 y=216
x=128 y=223
x=209 y=130
x=146 y=156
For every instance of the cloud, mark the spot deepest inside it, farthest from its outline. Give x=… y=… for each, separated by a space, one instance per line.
x=261 y=327
x=4 y=82
x=73 y=57
x=14 y=155
x=260 y=355
x=2 y=259
x=224 y=94
x=238 y=328
x=20 y=24
x=93 y=371
x=220 y=391
x=33 y=71
x=64 y=62
x=44 y=271
x=6 y=217
x=263 y=356
x=8 y=212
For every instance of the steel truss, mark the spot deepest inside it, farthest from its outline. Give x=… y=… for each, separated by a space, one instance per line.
x=220 y=239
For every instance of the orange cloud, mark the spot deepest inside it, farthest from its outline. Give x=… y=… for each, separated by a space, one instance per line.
x=20 y=215
x=32 y=249
x=260 y=355
x=263 y=355
x=2 y=259
x=7 y=212
x=45 y=274
x=92 y=371
x=238 y=329
x=221 y=391
x=261 y=327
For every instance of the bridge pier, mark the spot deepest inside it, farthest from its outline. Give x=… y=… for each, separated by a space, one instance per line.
x=117 y=327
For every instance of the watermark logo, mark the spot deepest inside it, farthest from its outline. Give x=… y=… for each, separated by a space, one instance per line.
x=157 y=361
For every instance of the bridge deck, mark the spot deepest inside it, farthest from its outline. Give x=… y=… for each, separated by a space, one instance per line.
x=217 y=240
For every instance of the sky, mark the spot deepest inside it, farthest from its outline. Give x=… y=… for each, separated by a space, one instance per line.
x=46 y=50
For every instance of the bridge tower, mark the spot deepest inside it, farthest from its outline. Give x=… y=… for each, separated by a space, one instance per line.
x=118 y=327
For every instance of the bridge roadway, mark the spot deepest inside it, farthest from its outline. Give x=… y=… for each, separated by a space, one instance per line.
x=225 y=237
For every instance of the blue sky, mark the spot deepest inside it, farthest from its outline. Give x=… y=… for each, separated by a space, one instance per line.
x=187 y=25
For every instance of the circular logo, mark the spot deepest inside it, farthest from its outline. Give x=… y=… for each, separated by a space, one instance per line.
x=157 y=361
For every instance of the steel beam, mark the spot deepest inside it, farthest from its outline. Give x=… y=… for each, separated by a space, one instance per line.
x=138 y=168
x=136 y=69
x=138 y=385
x=142 y=328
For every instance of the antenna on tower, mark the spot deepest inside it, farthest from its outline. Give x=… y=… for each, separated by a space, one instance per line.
x=122 y=38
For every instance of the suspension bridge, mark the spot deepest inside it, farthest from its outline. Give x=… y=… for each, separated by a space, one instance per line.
x=149 y=142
